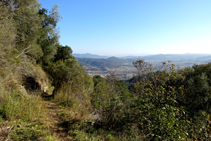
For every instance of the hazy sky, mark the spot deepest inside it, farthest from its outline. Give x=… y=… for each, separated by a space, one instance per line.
x=134 y=27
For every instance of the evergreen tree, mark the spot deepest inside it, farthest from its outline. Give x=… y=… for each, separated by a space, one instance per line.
x=27 y=24
x=48 y=33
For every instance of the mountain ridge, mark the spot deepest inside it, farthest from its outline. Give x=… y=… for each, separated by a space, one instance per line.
x=156 y=57
x=88 y=55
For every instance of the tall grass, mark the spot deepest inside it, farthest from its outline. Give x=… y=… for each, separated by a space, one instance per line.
x=24 y=114
x=78 y=101
x=15 y=105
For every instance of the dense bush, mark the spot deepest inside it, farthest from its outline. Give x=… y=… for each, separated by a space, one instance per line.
x=155 y=109
x=111 y=97
x=158 y=107
x=197 y=88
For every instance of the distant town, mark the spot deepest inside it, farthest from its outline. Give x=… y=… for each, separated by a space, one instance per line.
x=123 y=67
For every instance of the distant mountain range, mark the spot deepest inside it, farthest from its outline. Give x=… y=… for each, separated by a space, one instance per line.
x=102 y=65
x=88 y=55
x=177 y=57
x=201 y=58
x=111 y=62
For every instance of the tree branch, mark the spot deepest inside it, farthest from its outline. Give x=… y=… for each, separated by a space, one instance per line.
x=24 y=51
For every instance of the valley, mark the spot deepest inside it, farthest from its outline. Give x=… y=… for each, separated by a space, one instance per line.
x=123 y=67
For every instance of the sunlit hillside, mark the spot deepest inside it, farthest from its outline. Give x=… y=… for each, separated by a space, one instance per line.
x=48 y=94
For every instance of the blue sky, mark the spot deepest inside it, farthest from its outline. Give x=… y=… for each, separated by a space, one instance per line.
x=134 y=27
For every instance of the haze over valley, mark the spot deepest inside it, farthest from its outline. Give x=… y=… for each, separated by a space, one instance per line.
x=123 y=66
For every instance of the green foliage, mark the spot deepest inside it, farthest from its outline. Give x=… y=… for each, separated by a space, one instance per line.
x=48 y=34
x=157 y=111
x=97 y=79
x=101 y=92
x=7 y=29
x=73 y=86
x=32 y=30
x=197 y=89
x=65 y=70
x=151 y=110
x=60 y=71
x=63 y=53
x=70 y=72
x=112 y=98
x=27 y=25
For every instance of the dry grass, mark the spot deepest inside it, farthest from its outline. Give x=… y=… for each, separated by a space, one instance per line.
x=78 y=102
x=16 y=105
x=21 y=115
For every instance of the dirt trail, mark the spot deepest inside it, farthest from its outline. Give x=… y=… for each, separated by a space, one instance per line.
x=58 y=128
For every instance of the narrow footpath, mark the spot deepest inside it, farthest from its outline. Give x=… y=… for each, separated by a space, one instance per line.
x=58 y=128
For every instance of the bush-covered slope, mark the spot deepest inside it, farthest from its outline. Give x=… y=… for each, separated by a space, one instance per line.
x=33 y=63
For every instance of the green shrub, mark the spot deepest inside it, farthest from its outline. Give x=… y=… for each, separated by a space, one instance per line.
x=111 y=98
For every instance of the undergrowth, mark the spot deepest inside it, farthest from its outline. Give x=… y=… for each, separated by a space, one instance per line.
x=19 y=106
x=21 y=116
x=78 y=102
